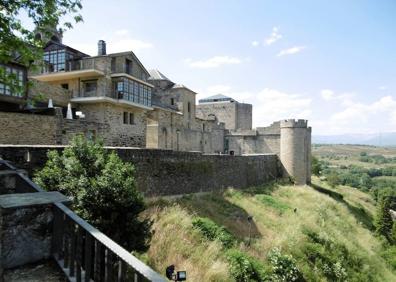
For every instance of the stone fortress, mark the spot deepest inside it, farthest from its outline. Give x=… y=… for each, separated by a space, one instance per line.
x=113 y=97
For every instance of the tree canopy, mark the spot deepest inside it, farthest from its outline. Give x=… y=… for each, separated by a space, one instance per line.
x=103 y=190
x=18 y=42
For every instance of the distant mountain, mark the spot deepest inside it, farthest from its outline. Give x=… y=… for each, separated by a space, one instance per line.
x=375 y=139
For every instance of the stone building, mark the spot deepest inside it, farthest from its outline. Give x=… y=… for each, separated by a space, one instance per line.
x=173 y=123
x=113 y=97
x=235 y=115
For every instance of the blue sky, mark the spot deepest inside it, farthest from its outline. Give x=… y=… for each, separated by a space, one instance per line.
x=332 y=62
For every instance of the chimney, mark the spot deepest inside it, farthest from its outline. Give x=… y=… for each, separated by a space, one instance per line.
x=101 y=48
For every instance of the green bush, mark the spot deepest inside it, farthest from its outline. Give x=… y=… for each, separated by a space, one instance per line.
x=389 y=255
x=333 y=179
x=383 y=220
x=284 y=268
x=245 y=268
x=213 y=232
x=316 y=166
x=333 y=260
x=102 y=188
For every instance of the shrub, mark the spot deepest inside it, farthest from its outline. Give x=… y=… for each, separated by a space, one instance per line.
x=316 y=166
x=384 y=221
x=333 y=179
x=245 y=268
x=213 y=232
x=333 y=260
x=389 y=255
x=284 y=267
x=102 y=188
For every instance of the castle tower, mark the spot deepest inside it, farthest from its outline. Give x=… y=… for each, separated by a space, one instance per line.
x=309 y=154
x=47 y=34
x=295 y=142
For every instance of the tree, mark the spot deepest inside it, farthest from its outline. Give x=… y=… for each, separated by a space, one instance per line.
x=316 y=166
x=103 y=190
x=21 y=42
x=384 y=221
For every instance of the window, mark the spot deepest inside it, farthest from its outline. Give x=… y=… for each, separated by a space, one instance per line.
x=128 y=66
x=90 y=87
x=125 y=118
x=189 y=107
x=57 y=59
x=172 y=101
x=131 y=118
x=134 y=91
x=113 y=64
x=65 y=86
x=17 y=88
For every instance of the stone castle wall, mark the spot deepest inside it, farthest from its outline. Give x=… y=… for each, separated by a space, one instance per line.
x=164 y=172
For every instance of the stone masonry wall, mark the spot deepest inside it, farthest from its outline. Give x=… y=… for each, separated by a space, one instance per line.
x=59 y=96
x=163 y=172
x=18 y=128
x=28 y=129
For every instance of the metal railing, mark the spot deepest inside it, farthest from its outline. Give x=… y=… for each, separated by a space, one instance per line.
x=71 y=65
x=86 y=254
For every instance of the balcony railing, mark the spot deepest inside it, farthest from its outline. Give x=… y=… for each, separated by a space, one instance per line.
x=86 y=254
x=72 y=65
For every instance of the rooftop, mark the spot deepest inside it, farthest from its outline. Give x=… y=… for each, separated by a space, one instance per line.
x=157 y=75
x=217 y=98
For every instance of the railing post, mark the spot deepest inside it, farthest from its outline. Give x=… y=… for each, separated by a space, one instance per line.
x=88 y=264
x=79 y=252
x=72 y=249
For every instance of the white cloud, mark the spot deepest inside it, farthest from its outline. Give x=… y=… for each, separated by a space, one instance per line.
x=345 y=98
x=272 y=105
x=118 y=41
x=219 y=88
x=358 y=117
x=291 y=51
x=275 y=36
x=214 y=62
x=327 y=94
x=121 y=32
x=255 y=43
x=128 y=44
x=383 y=87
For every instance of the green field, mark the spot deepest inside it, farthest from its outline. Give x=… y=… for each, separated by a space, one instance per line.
x=350 y=154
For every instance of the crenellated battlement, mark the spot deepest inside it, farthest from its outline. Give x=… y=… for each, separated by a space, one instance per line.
x=300 y=123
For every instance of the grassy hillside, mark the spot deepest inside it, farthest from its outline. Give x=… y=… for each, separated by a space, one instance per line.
x=327 y=232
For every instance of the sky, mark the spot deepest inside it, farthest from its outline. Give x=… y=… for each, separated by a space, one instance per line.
x=331 y=62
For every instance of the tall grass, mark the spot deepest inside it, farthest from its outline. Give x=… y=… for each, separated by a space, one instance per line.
x=327 y=240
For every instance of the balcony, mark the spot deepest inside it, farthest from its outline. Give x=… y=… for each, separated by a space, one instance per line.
x=68 y=247
x=86 y=67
